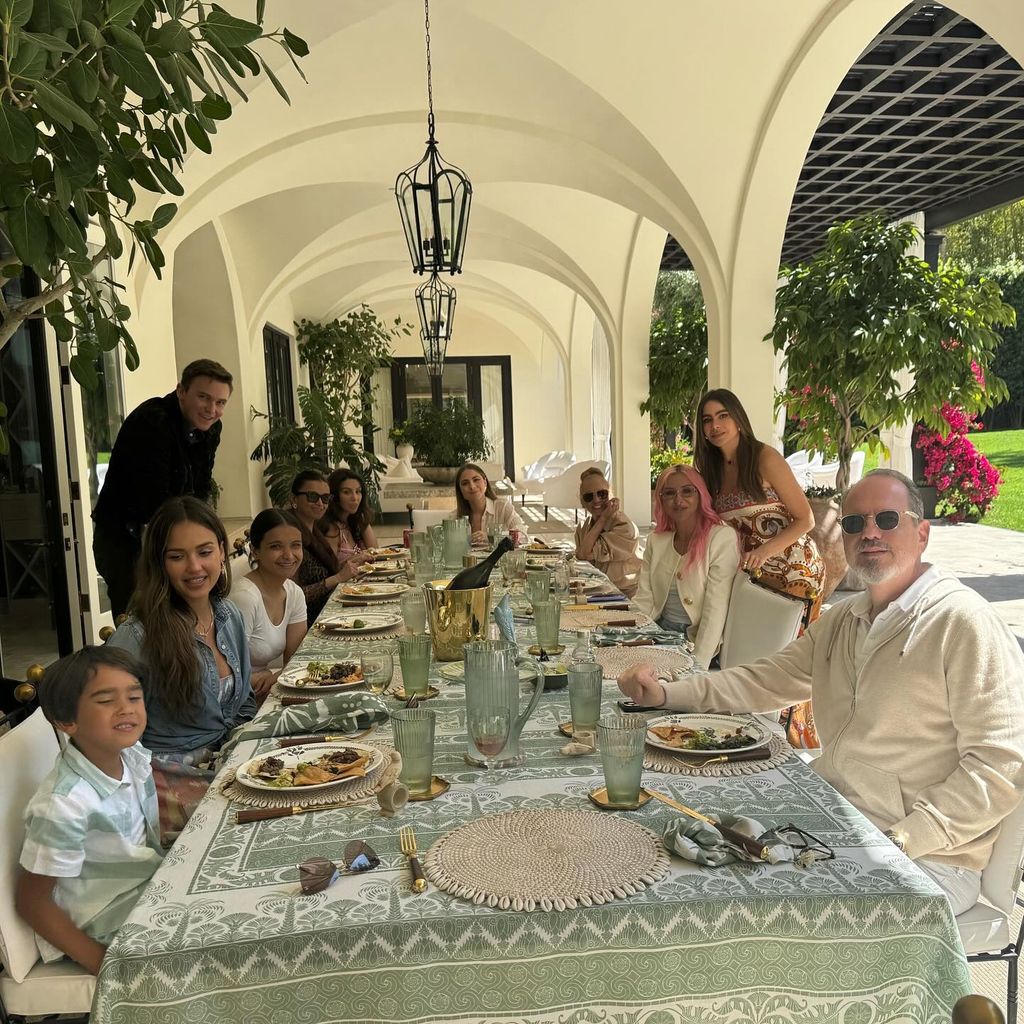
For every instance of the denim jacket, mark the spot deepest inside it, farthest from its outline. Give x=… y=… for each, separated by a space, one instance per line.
x=209 y=724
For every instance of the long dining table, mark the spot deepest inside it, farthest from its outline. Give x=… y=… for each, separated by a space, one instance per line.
x=223 y=932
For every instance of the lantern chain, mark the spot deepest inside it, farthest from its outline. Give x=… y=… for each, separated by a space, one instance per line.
x=430 y=86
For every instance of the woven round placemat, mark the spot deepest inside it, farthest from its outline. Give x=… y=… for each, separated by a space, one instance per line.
x=615 y=660
x=546 y=860
x=658 y=760
x=351 y=793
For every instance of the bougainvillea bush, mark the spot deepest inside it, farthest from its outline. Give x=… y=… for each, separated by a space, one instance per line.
x=965 y=481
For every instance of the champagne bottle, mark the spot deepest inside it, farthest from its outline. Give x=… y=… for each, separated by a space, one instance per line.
x=476 y=576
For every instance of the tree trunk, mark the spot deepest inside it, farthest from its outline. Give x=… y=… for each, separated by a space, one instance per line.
x=845 y=454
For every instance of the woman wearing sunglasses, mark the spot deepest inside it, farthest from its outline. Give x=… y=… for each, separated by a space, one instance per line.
x=755 y=492
x=608 y=539
x=689 y=563
x=320 y=572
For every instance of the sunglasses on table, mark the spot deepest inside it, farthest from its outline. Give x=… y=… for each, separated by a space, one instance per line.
x=887 y=520
x=317 y=873
x=314 y=496
x=591 y=495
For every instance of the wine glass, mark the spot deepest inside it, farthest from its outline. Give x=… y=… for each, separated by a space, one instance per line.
x=489 y=727
x=378 y=669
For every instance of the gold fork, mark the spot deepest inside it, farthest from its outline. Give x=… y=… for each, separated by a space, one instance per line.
x=407 y=840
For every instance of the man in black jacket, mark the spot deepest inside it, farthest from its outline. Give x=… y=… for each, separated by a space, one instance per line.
x=164 y=449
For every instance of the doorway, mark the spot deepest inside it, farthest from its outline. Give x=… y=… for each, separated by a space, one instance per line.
x=35 y=528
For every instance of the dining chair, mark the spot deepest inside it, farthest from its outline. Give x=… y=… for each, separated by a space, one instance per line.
x=422 y=518
x=29 y=988
x=759 y=623
x=985 y=927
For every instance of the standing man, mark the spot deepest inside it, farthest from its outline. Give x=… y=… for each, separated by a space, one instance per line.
x=917 y=693
x=164 y=449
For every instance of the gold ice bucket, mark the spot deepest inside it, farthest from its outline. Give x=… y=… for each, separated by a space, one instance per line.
x=456 y=617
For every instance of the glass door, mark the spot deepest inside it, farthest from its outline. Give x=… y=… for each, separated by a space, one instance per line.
x=36 y=624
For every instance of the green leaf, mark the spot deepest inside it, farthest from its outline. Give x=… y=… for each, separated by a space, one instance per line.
x=61 y=108
x=171 y=36
x=121 y=12
x=230 y=31
x=261 y=6
x=29 y=62
x=62 y=327
x=248 y=58
x=120 y=186
x=91 y=34
x=47 y=42
x=191 y=70
x=85 y=83
x=107 y=334
x=275 y=81
x=66 y=228
x=197 y=134
x=67 y=13
x=110 y=236
x=26 y=228
x=216 y=107
x=17 y=134
x=83 y=369
x=12 y=271
x=167 y=179
x=133 y=66
x=131 y=353
x=15 y=13
x=296 y=44
x=81 y=156
x=163 y=215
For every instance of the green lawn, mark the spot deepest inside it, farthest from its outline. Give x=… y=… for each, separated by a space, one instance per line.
x=1005 y=450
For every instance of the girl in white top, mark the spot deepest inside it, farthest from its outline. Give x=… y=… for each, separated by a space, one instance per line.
x=475 y=498
x=689 y=563
x=272 y=604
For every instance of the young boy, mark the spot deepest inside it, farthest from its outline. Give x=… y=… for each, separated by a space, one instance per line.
x=92 y=836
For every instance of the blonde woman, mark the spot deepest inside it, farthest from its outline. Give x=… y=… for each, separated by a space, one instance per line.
x=608 y=538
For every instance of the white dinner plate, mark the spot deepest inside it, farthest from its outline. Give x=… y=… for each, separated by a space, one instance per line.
x=387 y=567
x=356 y=623
x=292 y=756
x=291 y=679
x=720 y=723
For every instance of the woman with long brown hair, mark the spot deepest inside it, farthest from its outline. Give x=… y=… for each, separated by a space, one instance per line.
x=475 y=499
x=188 y=635
x=755 y=492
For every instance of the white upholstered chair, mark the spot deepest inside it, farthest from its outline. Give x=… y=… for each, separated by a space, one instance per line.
x=985 y=927
x=29 y=988
x=760 y=622
x=563 y=490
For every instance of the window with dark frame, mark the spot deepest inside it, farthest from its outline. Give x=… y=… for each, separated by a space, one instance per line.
x=277 y=353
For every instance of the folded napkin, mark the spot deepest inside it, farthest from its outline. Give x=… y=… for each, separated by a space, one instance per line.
x=702 y=843
x=505 y=620
x=611 y=636
x=341 y=712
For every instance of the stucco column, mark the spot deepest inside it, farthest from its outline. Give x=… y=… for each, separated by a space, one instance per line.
x=580 y=361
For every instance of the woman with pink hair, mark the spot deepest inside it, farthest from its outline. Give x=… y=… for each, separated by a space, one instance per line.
x=689 y=563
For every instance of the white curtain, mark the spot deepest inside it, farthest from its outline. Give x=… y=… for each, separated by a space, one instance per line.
x=492 y=408
x=601 y=395
x=381 y=406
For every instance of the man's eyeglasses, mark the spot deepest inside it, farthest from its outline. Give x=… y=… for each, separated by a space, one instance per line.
x=314 y=496
x=684 y=492
x=591 y=495
x=887 y=520
x=808 y=847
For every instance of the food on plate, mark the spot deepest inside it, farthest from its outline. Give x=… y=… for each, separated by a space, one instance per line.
x=684 y=738
x=358 y=589
x=346 y=763
x=321 y=673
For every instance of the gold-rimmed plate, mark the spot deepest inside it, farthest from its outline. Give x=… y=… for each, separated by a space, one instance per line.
x=248 y=773
x=358 y=623
x=670 y=736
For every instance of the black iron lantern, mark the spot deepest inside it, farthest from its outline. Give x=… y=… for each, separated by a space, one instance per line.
x=433 y=200
x=435 y=301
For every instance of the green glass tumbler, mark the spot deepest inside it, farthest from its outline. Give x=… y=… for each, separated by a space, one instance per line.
x=547 y=616
x=621 y=741
x=585 y=700
x=414 y=657
x=538 y=585
x=414 y=740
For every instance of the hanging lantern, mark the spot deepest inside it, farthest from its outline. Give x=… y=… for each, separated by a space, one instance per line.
x=433 y=200
x=435 y=301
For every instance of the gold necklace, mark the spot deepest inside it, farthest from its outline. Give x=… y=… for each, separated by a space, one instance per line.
x=204 y=633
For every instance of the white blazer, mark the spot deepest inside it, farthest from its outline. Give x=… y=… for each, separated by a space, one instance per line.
x=499 y=512
x=704 y=590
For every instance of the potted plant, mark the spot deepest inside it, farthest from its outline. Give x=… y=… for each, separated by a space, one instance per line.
x=853 y=318
x=403 y=449
x=445 y=437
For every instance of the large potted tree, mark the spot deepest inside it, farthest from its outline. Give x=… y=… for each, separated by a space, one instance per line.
x=336 y=408
x=851 y=319
x=444 y=437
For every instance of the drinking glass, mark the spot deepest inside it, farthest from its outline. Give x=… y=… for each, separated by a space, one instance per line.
x=489 y=728
x=421 y=547
x=547 y=615
x=495 y=534
x=538 y=585
x=414 y=657
x=436 y=533
x=512 y=565
x=414 y=740
x=414 y=610
x=560 y=582
x=585 y=700
x=621 y=740
x=378 y=668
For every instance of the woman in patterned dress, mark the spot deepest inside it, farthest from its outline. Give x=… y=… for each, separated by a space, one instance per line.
x=754 y=490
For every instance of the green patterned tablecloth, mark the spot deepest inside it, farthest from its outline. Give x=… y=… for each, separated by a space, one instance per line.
x=222 y=934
